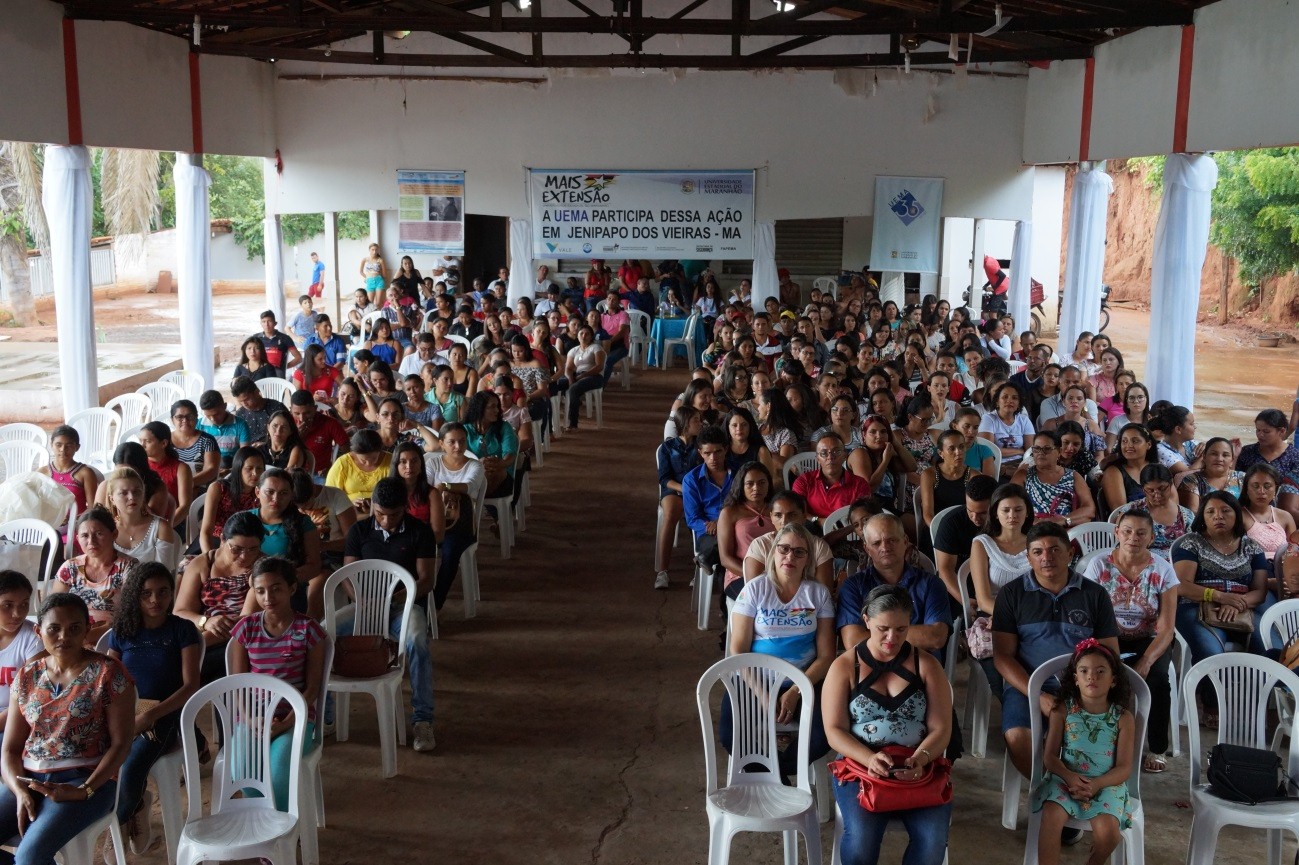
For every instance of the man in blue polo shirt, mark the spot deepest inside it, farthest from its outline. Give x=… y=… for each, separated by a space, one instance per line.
x=1045 y=613
x=229 y=431
x=885 y=542
x=702 y=493
x=335 y=346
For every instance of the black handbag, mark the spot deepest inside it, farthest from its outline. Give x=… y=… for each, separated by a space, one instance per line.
x=1248 y=775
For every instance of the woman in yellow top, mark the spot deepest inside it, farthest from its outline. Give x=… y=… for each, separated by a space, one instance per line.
x=356 y=472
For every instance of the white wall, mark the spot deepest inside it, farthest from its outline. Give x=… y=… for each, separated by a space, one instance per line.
x=1048 y=229
x=1244 y=86
x=857 y=241
x=817 y=149
x=134 y=87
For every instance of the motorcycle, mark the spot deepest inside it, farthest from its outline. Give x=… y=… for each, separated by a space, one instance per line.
x=993 y=301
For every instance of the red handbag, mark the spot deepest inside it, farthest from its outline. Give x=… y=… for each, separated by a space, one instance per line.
x=881 y=795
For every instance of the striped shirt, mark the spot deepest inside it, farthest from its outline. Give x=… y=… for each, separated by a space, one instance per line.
x=285 y=656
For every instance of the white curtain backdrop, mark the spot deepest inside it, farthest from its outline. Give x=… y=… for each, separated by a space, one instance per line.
x=194 y=267
x=1181 y=238
x=893 y=286
x=1084 y=257
x=766 y=282
x=272 y=240
x=69 y=203
x=522 y=277
x=1021 y=276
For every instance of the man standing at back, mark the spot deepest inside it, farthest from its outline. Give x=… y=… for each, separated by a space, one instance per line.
x=317 y=287
x=392 y=535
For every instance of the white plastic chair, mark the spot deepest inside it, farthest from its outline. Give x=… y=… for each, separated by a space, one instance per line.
x=81 y=849
x=247 y=827
x=940 y=517
x=459 y=340
x=594 y=402
x=996 y=456
x=24 y=432
x=1118 y=512
x=367 y=324
x=796 y=465
x=1088 y=558
x=374 y=584
x=1278 y=626
x=98 y=429
x=640 y=336
x=837 y=519
x=1243 y=684
x=686 y=341
x=504 y=514
x=194 y=521
x=701 y=596
x=277 y=389
x=978 y=691
x=20 y=457
x=131 y=435
x=162 y=394
x=756 y=801
x=827 y=284
x=35 y=533
x=1131 y=851
x=1093 y=536
x=135 y=408
x=190 y=384
x=469 y=584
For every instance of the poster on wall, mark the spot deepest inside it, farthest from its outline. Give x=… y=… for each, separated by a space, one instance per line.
x=908 y=214
x=641 y=214
x=431 y=212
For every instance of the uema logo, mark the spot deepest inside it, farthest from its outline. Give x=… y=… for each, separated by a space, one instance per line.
x=599 y=181
x=905 y=205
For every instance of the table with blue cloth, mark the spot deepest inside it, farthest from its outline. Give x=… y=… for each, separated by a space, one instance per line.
x=674 y=328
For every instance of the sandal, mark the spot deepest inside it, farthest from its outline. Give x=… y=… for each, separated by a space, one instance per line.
x=1153 y=764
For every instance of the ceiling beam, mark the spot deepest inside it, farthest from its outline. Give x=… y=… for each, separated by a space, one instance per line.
x=771 y=25
x=489 y=47
x=635 y=61
x=783 y=47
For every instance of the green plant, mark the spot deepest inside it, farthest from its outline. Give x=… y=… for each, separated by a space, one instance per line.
x=1256 y=211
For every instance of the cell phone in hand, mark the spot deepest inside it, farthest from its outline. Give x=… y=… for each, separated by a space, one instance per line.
x=25 y=780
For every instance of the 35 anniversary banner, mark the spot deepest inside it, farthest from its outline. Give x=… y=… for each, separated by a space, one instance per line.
x=641 y=214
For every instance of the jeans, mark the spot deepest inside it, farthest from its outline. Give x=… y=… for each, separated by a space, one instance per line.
x=995 y=682
x=281 y=760
x=1161 y=698
x=134 y=774
x=864 y=830
x=817 y=746
x=454 y=545
x=56 y=823
x=419 y=662
x=615 y=354
x=1206 y=642
x=578 y=390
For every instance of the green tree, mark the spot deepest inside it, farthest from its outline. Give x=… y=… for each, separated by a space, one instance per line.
x=1256 y=211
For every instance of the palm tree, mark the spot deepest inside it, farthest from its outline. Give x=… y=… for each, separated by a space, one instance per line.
x=128 y=190
x=20 y=213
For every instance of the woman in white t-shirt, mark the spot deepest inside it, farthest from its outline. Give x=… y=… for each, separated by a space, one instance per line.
x=19 y=642
x=788 y=614
x=462 y=482
x=1007 y=427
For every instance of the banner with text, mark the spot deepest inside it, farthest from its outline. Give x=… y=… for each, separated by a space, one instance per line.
x=908 y=214
x=431 y=212
x=642 y=214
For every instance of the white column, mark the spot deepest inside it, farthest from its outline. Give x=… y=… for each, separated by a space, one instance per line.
x=194 y=265
x=1084 y=257
x=521 y=276
x=374 y=231
x=272 y=240
x=331 y=244
x=69 y=202
x=1181 y=238
x=1021 y=275
x=893 y=286
x=977 y=276
x=766 y=282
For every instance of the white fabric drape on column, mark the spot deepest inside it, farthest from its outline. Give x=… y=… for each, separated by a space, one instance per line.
x=69 y=203
x=893 y=286
x=1084 y=257
x=1021 y=279
x=521 y=276
x=194 y=267
x=766 y=282
x=272 y=240
x=1181 y=239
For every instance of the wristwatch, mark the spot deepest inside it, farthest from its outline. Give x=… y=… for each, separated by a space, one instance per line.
x=90 y=791
x=1068 y=522
x=202 y=623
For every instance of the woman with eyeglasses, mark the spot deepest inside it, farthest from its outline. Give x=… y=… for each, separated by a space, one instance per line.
x=843 y=420
x=1058 y=494
x=196 y=448
x=786 y=613
x=1170 y=519
x=214 y=588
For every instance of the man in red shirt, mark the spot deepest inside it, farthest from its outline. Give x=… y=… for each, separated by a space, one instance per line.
x=320 y=433
x=831 y=486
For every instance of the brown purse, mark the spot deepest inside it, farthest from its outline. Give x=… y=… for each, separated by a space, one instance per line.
x=364 y=657
x=1243 y=623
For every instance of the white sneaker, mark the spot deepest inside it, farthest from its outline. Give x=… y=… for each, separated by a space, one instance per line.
x=661 y=580
x=424 y=740
x=141 y=825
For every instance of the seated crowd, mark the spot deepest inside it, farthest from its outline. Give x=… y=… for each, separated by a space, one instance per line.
x=205 y=548
x=861 y=480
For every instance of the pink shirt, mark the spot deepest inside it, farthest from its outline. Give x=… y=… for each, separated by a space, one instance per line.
x=285 y=656
x=612 y=322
